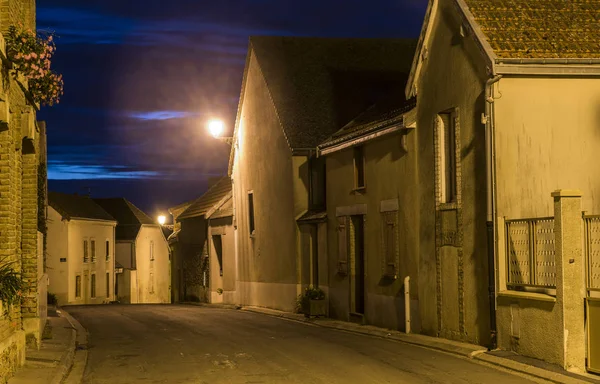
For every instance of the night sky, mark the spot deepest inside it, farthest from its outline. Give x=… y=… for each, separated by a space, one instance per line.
x=143 y=76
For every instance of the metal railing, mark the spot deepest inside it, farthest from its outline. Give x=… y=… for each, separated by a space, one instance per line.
x=530 y=253
x=592 y=251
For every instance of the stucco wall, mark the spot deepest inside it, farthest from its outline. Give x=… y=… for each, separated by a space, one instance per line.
x=153 y=277
x=547 y=138
x=453 y=296
x=224 y=228
x=100 y=232
x=263 y=164
x=390 y=173
x=57 y=247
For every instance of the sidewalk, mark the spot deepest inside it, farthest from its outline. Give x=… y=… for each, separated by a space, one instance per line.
x=53 y=361
x=503 y=359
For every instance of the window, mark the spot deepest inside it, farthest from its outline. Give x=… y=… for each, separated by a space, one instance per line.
x=107 y=284
x=77 y=286
x=447 y=145
x=359 y=168
x=317 y=183
x=251 y=212
x=86 y=257
x=63 y=259
x=217 y=242
x=151 y=250
x=93 y=288
x=107 y=250
x=93 y=246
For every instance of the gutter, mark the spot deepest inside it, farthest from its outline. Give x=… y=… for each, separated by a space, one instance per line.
x=327 y=149
x=488 y=119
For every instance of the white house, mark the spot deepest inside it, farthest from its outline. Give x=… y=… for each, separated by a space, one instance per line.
x=142 y=255
x=80 y=250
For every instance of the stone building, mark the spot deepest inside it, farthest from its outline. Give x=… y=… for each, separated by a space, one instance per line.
x=202 y=243
x=22 y=201
x=141 y=252
x=80 y=250
x=296 y=92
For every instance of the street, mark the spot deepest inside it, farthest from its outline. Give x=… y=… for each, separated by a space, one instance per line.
x=192 y=344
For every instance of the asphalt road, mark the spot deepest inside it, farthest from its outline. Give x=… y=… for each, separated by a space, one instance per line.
x=204 y=345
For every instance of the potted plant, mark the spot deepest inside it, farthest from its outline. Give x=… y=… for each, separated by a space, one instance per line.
x=312 y=302
x=11 y=287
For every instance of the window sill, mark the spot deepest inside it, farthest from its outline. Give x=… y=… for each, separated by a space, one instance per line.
x=527 y=296
x=448 y=206
x=361 y=190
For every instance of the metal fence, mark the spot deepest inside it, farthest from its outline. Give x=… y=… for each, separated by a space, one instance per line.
x=531 y=254
x=592 y=250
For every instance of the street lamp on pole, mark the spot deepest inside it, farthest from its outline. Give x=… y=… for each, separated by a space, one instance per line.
x=162 y=220
x=216 y=128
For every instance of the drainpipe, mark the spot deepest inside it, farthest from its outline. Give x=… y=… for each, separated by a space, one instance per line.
x=407 y=304
x=488 y=120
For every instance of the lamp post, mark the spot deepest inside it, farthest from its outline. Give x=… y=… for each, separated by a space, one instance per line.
x=216 y=128
x=162 y=220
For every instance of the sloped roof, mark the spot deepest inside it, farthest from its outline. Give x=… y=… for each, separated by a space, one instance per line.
x=318 y=84
x=211 y=197
x=381 y=115
x=129 y=217
x=77 y=207
x=541 y=28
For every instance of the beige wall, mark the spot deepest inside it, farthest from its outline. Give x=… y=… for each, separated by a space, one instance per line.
x=57 y=247
x=547 y=138
x=263 y=164
x=153 y=277
x=389 y=174
x=99 y=231
x=453 y=297
x=222 y=227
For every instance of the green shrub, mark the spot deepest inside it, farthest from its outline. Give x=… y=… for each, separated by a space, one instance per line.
x=11 y=286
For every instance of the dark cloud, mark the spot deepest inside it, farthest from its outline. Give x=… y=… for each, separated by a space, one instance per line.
x=142 y=77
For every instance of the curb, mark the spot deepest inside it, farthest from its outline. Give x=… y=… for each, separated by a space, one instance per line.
x=76 y=369
x=469 y=351
x=66 y=362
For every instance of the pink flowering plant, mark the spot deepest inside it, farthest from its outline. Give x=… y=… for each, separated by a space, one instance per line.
x=31 y=55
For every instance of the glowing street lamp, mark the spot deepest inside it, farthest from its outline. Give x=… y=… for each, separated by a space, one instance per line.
x=216 y=128
x=161 y=220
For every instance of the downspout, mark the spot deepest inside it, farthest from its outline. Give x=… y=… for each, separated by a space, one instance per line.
x=488 y=120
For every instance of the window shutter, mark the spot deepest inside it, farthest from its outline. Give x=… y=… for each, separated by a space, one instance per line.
x=342 y=246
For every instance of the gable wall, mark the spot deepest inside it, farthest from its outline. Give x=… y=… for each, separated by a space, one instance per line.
x=263 y=164
x=453 y=268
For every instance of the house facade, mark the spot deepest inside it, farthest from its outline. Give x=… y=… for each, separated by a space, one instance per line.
x=22 y=201
x=141 y=255
x=80 y=250
x=372 y=217
x=202 y=244
x=296 y=92
x=495 y=128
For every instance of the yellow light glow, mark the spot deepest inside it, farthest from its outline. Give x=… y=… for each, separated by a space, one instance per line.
x=216 y=128
x=161 y=220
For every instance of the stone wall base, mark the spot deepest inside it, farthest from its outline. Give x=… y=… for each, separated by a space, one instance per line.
x=12 y=354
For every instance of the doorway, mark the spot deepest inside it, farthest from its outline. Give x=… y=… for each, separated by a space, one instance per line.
x=357 y=265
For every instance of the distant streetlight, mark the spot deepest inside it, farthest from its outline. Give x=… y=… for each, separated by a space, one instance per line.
x=217 y=128
x=161 y=220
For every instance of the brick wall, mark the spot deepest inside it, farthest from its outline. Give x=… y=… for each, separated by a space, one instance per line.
x=18 y=202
